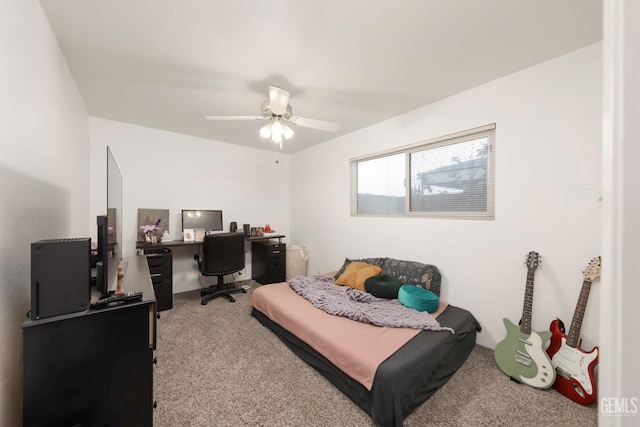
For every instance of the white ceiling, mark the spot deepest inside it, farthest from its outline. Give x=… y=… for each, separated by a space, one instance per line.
x=166 y=63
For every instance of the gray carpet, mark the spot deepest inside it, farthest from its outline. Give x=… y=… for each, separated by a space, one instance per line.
x=217 y=366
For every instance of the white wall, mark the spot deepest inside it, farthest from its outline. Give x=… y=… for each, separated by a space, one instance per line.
x=165 y=170
x=548 y=135
x=44 y=171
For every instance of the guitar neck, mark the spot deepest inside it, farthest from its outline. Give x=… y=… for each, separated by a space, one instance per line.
x=578 y=315
x=525 y=326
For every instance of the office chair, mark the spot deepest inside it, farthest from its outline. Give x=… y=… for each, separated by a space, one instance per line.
x=221 y=254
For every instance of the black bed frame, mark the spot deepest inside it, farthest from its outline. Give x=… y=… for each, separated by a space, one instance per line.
x=403 y=374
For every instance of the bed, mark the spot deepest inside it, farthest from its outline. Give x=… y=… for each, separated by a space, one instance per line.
x=386 y=371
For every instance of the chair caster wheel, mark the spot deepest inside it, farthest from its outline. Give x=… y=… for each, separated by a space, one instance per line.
x=203 y=302
x=231 y=299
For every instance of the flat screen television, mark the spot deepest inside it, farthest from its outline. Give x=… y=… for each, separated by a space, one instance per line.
x=110 y=231
x=209 y=220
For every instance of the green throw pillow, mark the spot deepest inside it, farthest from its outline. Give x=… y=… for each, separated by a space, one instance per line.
x=418 y=298
x=383 y=286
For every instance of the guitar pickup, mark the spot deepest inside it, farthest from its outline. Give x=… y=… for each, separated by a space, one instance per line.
x=523 y=361
x=564 y=374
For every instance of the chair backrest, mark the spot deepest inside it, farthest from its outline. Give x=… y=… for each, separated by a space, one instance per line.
x=222 y=253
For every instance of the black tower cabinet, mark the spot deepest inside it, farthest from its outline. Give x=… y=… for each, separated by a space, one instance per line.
x=160 y=262
x=268 y=261
x=93 y=367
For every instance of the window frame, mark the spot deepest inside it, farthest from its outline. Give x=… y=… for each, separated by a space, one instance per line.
x=407 y=150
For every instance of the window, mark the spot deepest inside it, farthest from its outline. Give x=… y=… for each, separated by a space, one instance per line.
x=448 y=177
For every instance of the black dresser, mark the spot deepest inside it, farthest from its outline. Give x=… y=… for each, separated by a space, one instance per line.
x=93 y=367
x=268 y=261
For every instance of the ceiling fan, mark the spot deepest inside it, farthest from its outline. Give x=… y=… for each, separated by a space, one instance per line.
x=278 y=111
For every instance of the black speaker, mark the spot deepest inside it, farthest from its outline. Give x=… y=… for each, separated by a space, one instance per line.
x=60 y=277
x=233 y=227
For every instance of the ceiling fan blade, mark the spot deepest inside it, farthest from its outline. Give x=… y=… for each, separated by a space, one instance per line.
x=315 y=124
x=235 y=117
x=278 y=100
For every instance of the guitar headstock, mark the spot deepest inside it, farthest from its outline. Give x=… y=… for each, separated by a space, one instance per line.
x=532 y=261
x=592 y=271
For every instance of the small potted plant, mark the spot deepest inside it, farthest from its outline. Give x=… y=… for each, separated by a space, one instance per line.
x=148 y=231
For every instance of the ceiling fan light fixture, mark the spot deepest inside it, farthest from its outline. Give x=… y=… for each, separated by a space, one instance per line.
x=276 y=131
x=265 y=131
x=287 y=132
x=277 y=138
x=277 y=111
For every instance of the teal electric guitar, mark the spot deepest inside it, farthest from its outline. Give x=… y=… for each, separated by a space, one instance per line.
x=522 y=355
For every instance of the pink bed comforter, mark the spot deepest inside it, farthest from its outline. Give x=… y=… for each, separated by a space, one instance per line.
x=354 y=347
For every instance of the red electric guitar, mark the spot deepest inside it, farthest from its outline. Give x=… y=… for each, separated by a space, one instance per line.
x=574 y=366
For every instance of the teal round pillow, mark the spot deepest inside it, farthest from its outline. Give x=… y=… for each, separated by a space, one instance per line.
x=418 y=298
x=383 y=286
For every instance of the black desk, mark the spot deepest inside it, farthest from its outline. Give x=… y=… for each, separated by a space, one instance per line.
x=268 y=260
x=177 y=243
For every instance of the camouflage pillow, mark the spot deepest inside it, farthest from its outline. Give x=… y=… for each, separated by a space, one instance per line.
x=413 y=273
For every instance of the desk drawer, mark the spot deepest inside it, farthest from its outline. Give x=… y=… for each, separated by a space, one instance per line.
x=156 y=260
x=164 y=294
x=268 y=262
x=163 y=271
x=278 y=270
x=277 y=254
x=277 y=248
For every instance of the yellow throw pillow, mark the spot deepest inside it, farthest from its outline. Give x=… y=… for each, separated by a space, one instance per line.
x=356 y=273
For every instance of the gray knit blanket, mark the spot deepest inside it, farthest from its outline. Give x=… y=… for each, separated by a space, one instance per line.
x=361 y=306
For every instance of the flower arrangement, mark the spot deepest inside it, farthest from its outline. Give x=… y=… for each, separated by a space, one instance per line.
x=148 y=231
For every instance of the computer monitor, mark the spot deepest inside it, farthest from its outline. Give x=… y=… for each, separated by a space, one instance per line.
x=209 y=220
